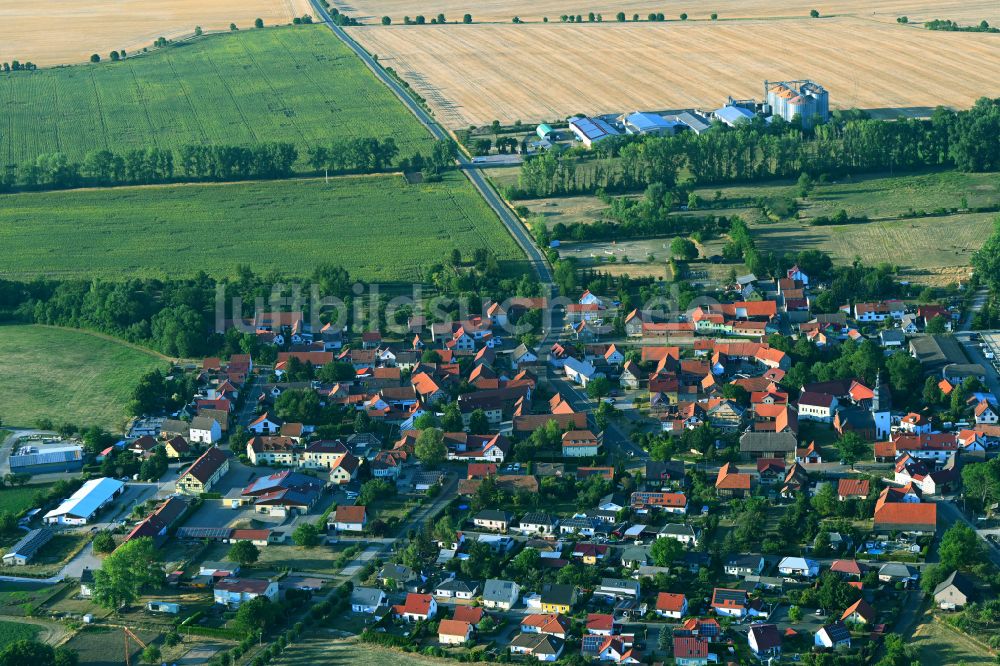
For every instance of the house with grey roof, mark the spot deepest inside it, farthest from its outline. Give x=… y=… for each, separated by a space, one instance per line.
x=367 y=599
x=682 y=532
x=954 y=592
x=454 y=588
x=501 y=594
x=618 y=587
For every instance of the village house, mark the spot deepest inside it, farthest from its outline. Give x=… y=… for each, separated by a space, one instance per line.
x=954 y=592
x=580 y=444
x=454 y=632
x=350 y=519
x=367 y=599
x=232 y=592
x=502 y=594
x=671 y=605
x=416 y=607
x=204 y=473
x=540 y=646
x=493 y=520
x=764 y=641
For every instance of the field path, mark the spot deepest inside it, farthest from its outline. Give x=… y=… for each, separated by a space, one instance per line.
x=53 y=633
x=123 y=343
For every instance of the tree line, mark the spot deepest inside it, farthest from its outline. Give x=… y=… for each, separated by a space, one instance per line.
x=195 y=162
x=151 y=165
x=850 y=143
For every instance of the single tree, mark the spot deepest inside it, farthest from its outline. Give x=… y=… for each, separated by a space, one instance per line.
x=620 y=17
x=104 y=542
x=851 y=448
x=151 y=654
x=430 y=448
x=478 y=423
x=258 y=23
x=256 y=615
x=244 y=552
x=665 y=551
x=386 y=20
x=684 y=17
x=467 y=18
x=133 y=568
x=95 y=58
x=715 y=17
x=814 y=13
x=306 y=535
x=683 y=248
x=598 y=388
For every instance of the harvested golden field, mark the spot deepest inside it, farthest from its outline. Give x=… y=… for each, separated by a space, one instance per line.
x=473 y=74
x=54 y=32
x=962 y=11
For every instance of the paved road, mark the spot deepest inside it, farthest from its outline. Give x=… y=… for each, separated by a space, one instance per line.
x=978 y=301
x=514 y=225
x=951 y=514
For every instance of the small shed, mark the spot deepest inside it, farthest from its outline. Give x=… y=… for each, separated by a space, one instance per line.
x=544 y=131
x=163 y=607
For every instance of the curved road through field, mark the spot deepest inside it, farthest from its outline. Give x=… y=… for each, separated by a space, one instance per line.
x=513 y=224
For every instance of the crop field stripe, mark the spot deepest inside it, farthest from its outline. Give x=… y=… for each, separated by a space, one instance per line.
x=140 y=98
x=100 y=111
x=262 y=73
x=223 y=80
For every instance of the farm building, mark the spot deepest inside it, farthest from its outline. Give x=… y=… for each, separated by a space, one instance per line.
x=693 y=122
x=32 y=460
x=804 y=99
x=26 y=548
x=591 y=130
x=84 y=504
x=648 y=123
x=733 y=115
x=544 y=131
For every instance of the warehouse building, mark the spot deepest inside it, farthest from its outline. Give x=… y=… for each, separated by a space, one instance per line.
x=32 y=460
x=804 y=99
x=641 y=122
x=26 y=548
x=591 y=130
x=81 y=507
x=695 y=123
x=733 y=115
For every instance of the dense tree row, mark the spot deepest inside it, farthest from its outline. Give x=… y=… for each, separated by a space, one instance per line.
x=363 y=155
x=152 y=165
x=966 y=140
x=195 y=162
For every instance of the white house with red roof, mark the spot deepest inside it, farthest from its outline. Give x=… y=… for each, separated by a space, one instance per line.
x=417 y=607
x=671 y=605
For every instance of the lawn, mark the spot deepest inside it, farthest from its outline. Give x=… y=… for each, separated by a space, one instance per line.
x=22 y=598
x=939 y=644
x=16 y=500
x=66 y=376
x=105 y=646
x=293 y=84
x=326 y=651
x=377 y=227
x=11 y=632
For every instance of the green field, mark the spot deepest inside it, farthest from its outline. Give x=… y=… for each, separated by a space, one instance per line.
x=378 y=228
x=16 y=500
x=295 y=84
x=11 y=632
x=67 y=376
